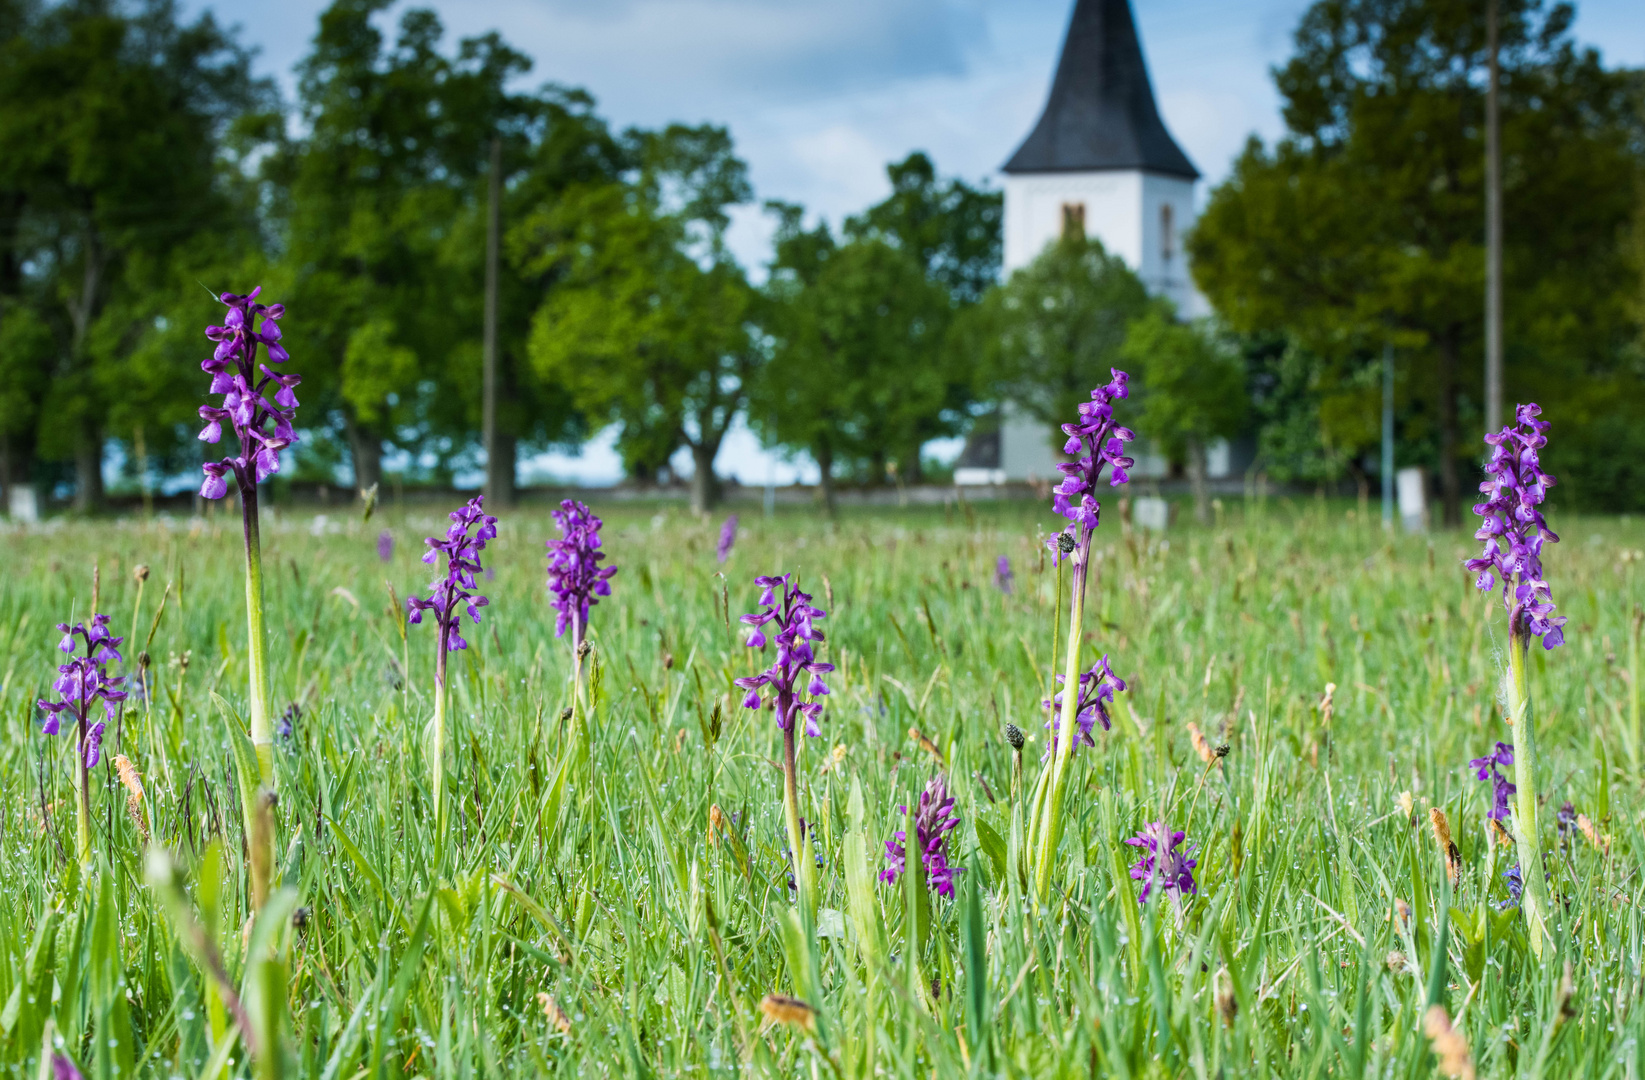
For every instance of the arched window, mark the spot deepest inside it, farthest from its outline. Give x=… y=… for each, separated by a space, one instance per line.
x=1168 y=233
x=1073 y=219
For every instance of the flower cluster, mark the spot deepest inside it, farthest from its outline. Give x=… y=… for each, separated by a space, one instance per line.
x=1513 y=528
x=1487 y=768
x=575 y=576
x=1100 y=442
x=84 y=681
x=1164 y=865
x=1514 y=879
x=795 y=631
x=1004 y=579
x=462 y=553
x=1097 y=688
x=728 y=537
x=933 y=819
x=243 y=382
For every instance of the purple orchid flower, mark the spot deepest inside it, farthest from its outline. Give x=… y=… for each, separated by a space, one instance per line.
x=795 y=632
x=728 y=537
x=575 y=575
x=456 y=588
x=1486 y=768
x=1101 y=442
x=933 y=820
x=1513 y=528
x=244 y=383
x=1003 y=578
x=1164 y=865
x=84 y=682
x=1097 y=688
x=385 y=546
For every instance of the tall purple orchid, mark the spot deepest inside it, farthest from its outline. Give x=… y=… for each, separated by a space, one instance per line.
x=83 y=684
x=728 y=538
x=1098 y=442
x=791 y=619
x=449 y=595
x=1514 y=533
x=934 y=818
x=575 y=575
x=1164 y=864
x=1489 y=768
x=1097 y=688
x=262 y=428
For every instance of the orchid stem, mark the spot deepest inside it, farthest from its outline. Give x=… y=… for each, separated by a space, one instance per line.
x=82 y=799
x=437 y=758
x=257 y=640
x=1050 y=829
x=804 y=878
x=1527 y=838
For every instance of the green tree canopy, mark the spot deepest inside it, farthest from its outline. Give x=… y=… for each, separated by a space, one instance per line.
x=1365 y=224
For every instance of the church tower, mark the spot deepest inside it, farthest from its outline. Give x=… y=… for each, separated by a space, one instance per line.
x=1101 y=160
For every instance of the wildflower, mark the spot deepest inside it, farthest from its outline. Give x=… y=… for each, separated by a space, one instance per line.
x=575 y=576
x=793 y=622
x=1513 y=528
x=84 y=682
x=1097 y=688
x=728 y=537
x=1565 y=822
x=933 y=820
x=385 y=545
x=244 y=383
x=1102 y=442
x=1515 y=881
x=1164 y=864
x=1003 y=578
x=455 y=588
x=1486 y=768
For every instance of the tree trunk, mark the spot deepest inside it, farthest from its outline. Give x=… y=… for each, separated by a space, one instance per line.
x=367 y=451
x=1197 y=481
x=705 y=486
x=824 y=453
x=500 y=467
x=1450 y=483
x=88 y=470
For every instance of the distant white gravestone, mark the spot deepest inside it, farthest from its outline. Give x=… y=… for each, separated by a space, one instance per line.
x=1151 y=512
x=1413 y=499
x=22 y=504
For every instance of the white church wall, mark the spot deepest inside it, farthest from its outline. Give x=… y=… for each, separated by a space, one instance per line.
x=1034 y=212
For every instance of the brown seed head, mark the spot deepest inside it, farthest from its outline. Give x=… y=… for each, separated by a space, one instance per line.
x=1584 y=823
x=1396 y=962
x=140 y=574
x=1449 y=1045
x=1227 y=1003
x=1447 y=850
x=1202 y=746
x=781 y=1009
x=556 y=1015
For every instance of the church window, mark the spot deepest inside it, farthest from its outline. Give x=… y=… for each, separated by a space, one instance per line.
x=1167 y=228
x=1073 y=219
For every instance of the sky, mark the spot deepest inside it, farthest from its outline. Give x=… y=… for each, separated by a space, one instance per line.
x=819 y=96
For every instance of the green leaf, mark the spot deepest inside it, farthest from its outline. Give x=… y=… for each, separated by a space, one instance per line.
x=992 y=846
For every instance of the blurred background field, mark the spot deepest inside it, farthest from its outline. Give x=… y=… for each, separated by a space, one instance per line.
x=656 y=940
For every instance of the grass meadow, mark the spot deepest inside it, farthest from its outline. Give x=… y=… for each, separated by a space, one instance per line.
x=588 y=919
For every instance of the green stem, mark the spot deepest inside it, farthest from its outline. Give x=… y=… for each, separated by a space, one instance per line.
x=1050 y=829
x=437 y=753
x=1534 y=897
x=804 y=875
x=82 y=800
x=262 y=737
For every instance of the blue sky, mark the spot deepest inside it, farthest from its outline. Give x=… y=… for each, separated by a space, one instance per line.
x=819 y=96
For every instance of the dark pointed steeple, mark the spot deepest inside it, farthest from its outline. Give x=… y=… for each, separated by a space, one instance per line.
x=1101 y=114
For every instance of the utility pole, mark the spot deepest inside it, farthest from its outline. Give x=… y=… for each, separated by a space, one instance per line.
x=499 y=489
x=1388 y=437
x=1493 y=226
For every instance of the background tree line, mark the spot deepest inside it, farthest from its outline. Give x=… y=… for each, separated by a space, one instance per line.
x=142 y=169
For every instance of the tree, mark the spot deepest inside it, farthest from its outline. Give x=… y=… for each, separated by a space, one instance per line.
x=114 y=181
x=1053 y=331
x=1365 y=224
x=396 y=153
x=1190 y=388
x=858 y=363
x=649 y=325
